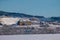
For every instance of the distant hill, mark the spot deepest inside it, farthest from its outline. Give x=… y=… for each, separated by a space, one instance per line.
x=14 y=14
x=42 y=18
x=18 y=14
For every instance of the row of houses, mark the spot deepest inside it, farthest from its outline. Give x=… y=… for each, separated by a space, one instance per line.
x=27 y=22
x=21 y=22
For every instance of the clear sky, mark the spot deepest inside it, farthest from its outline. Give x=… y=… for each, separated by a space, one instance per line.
x=45 y=8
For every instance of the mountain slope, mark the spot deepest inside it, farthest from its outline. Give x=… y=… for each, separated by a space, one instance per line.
x=42 y=18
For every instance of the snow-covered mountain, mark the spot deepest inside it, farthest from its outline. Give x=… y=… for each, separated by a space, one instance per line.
x=42 y=18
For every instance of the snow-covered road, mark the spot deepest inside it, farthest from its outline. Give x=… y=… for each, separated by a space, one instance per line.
x=31 y=37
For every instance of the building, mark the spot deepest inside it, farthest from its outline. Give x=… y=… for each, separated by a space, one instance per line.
x=29 y=22
x=8 y=20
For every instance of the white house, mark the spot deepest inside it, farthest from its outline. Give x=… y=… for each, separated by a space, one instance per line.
x=8 y=20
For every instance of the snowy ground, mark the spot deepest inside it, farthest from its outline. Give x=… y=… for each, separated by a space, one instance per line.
x=31 y=37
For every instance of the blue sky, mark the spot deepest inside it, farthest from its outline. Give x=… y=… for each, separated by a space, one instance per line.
x=45 y=8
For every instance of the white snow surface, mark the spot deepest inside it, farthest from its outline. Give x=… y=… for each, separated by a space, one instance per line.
x=31 y=37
